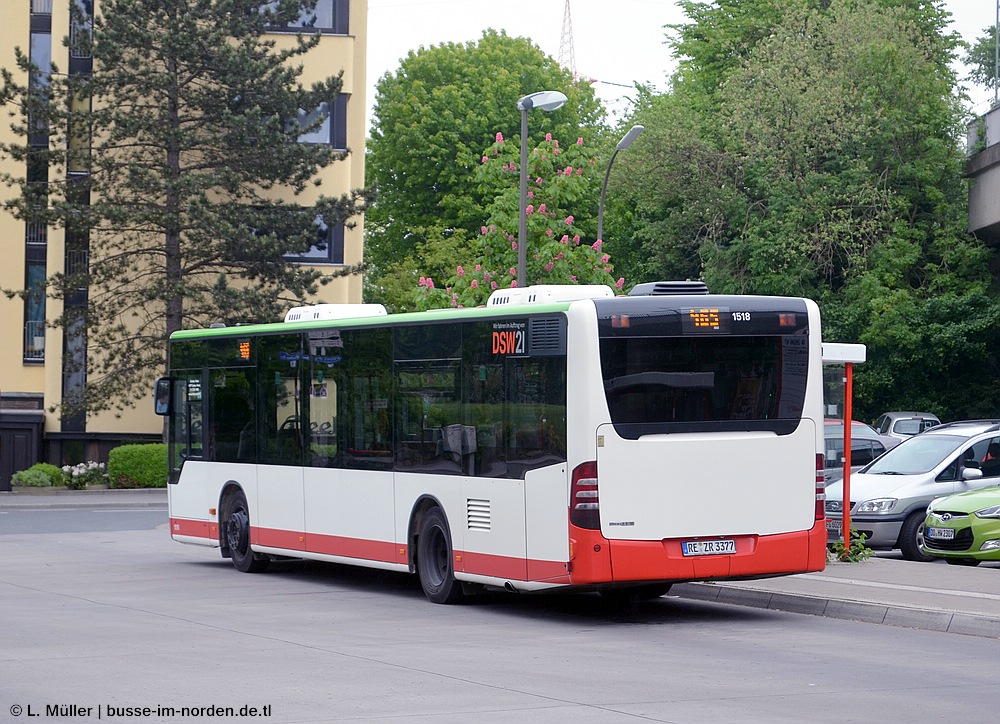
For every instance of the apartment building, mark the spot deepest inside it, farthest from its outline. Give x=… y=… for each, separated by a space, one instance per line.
x=35 y=359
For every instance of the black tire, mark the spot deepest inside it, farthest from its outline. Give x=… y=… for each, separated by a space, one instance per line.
x=911 y=535
x=236 y=528
x=963 y=561
x=435 y=561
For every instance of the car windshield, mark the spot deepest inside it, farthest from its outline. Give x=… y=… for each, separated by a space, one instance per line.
x=910 y=426
x=919 y=454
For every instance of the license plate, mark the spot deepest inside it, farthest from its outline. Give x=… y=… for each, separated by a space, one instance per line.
x=708 y=547
x=940 y=533
x=833 y=525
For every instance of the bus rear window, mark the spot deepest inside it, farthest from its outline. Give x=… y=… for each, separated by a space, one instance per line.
x=704 y=384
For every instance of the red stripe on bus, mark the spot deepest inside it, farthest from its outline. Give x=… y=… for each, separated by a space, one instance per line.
x=371 y=550
x=194 y=528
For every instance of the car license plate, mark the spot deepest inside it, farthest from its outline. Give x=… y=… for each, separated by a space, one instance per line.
x=708 y=547
x=833 y=525
x=940 y=533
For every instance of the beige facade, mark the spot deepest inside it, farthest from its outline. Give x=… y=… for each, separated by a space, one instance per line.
x=31 y=358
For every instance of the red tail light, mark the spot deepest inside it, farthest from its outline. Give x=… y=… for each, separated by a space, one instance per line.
x=820 y=487
x=584 y=500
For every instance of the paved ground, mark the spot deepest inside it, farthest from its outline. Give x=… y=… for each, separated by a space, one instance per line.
x=886 y=590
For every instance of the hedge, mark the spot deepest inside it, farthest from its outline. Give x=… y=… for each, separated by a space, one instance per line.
x=138 y=466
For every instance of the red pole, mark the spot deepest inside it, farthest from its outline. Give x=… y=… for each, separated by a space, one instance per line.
x=848 y=418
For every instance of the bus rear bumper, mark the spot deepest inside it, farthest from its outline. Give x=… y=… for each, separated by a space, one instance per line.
x=597 y=559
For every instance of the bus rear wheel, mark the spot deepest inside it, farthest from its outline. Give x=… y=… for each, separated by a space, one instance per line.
x=435 y=565
x=236 y=526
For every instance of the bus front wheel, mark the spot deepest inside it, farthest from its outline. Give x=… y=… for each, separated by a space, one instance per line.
x=236 y=524
x=435 y=559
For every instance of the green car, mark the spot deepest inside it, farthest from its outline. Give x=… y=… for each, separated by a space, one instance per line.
x=964 y=528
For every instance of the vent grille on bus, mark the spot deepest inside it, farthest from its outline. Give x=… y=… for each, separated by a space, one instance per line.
x=660 y=289
x=478 y=514
x=547 y=336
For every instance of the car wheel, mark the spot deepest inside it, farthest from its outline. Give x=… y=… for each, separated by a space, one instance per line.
x=911 y=536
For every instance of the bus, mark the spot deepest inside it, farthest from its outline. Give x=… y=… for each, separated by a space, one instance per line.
x=559 y=438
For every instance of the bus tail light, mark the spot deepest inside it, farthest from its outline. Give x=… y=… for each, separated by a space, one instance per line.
x=584 y=502
x=820 y=487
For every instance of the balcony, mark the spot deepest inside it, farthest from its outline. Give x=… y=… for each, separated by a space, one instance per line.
x=41 y=7
x=34 y=341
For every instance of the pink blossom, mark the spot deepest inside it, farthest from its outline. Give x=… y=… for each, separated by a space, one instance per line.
x=460 y=271
x=568 y=171
x=513 y=284
x=513 y=246
x=541 y=208
x=483 y=230
x=513 y=272
x=559 y=256
x=548 y=233
x=548 y=136
x=555 y=152
x=474 y=284
x=478 y=267
x=596 y=246
x=530 y=209
x=499 y=137
x=422 y=282
x=430 y=283
x=576 y=239
x=569 y=220
x=538 y=181
x=486 y=276
x=531 y=194
x=572 y=277
x=620 y=283
x=544 y=157
x=556 y=143
x=607 y=269
x=565 y=239
x=548 y=267
x=605 y=258
x=485 y=159
x=579 y=172
x=493 y=285
x=579 y=141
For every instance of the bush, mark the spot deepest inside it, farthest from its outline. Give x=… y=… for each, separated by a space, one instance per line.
x=79 y=476
x=138 y=466
x=39 y=475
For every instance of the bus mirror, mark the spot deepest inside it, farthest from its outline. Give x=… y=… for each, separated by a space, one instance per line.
x=162 y=404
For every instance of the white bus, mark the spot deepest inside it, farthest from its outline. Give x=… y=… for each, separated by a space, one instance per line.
x=559 y=438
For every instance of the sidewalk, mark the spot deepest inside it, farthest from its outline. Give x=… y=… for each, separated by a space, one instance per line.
x=41 y=498
x=932 y=596
x=884 y=590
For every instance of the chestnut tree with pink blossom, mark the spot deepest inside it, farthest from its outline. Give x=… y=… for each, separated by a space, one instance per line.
x=561 y=177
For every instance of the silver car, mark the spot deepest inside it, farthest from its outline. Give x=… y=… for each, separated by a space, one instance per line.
x=889 y=497
x=905 y=424
x=866 y=445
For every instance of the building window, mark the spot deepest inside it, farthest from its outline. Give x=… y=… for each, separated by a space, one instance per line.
x=34 y=305
x=329 y=246
x=80 y=27
x=329 y=16
x=332 y=123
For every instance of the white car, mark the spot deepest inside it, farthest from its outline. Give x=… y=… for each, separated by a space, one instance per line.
x=905 y=424
x=889 y=497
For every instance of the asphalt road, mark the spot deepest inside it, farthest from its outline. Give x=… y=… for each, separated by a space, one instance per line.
x=79 y=521
x=126 y=619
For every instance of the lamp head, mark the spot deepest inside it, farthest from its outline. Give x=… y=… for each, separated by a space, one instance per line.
x=546 y=100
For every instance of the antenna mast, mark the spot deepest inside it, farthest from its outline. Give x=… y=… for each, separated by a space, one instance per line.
x=567 y=56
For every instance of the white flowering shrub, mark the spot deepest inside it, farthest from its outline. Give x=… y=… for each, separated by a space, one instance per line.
x=79 y=476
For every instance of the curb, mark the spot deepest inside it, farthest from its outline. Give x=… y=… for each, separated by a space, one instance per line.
x=41 y=499
x=903 y=616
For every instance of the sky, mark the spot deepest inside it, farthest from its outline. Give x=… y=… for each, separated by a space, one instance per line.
x=616 y=43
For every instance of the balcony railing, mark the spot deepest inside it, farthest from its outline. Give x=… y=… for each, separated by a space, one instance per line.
x=34 y=341
x=41 y=7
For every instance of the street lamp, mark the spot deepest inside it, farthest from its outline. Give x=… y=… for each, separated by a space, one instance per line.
x=622 y=145
x=547 y=101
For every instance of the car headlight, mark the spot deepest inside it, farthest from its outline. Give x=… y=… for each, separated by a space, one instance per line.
x=877 y=505
x=992 y=512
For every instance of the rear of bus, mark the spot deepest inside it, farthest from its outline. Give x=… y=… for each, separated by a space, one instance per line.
x=696 y=435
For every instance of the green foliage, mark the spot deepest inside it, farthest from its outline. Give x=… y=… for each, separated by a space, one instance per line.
x=431 y=120
x=39 y=475
x=855 y=552
x=561 y=178
x=138 y=466
x=812 y=147
x=172 y=168
x=981 y=58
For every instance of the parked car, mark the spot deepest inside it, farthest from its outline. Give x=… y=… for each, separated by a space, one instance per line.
x=889 y=496
x=866 y=445
x=905 y=424
x=964 y=528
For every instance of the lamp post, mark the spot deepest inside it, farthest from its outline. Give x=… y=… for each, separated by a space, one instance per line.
x=547 y=101
x=622 y=145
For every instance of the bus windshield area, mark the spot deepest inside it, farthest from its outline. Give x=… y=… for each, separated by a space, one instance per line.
x=674 y=384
